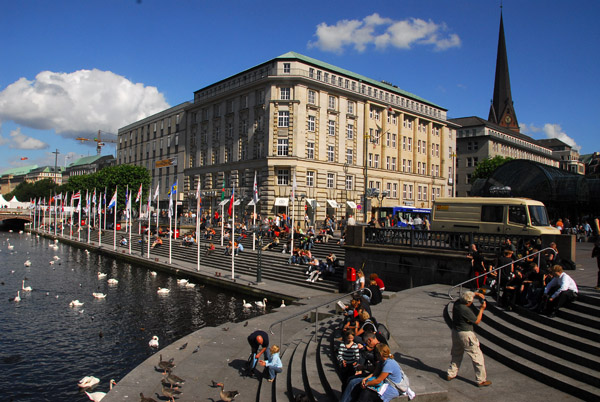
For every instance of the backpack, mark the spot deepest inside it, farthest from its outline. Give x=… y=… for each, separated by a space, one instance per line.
x=567 y=264
x=382 y=332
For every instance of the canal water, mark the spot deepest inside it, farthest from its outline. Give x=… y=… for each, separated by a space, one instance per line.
x=47 y=346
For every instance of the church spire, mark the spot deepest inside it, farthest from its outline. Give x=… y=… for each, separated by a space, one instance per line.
x=501 y=110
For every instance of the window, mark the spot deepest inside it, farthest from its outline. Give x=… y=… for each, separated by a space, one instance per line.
x=376 y=161
x=282 y=147
x=229 y=130
x=285 y=93
x=350 y=131
x=350 y=107
x=370 y=160
x=331 y=104
x=284 y=119
x=311 y=73
x=331 y=127
x=404 y=191
x=349 y=182
x=404 y=143
x=286 y=68
x=311 y=123
x=330 y=153
x=310 y=178
x=419 y=146
x=393 y=140
x=310 y=150
x=349 y=156
x=283 y=177
x=409 y=144
x=326 y=77
x=388 y=139
x=387 y=162
x=517 y=214
x=395 y=190
x=393 y=167
x=424 y=193
x=377 y=114
x=410 y=191
x=409 y=166
x=319 y=75
x=312 y=97
x=330 y=180
x=492 y=213
x=244 y=102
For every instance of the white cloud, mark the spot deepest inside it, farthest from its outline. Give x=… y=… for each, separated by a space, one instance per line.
x=551 y=131
x=83 y=101
x=18 y=140
x=400 y=34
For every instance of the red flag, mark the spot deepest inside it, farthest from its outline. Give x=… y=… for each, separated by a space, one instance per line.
x=230 y=210
x=24 y=158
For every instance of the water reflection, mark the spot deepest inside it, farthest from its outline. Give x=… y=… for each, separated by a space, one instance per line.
x=47 y=346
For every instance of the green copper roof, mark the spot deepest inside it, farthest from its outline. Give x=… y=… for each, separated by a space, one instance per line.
x=322 y=64
x=85 y=160
x=18 y=171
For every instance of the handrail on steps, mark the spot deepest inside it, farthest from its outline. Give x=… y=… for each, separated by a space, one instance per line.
x=316 y=310
x=498 y=269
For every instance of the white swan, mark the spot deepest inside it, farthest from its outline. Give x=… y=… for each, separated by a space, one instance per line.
x=163 y=291
x=88 y=382
x=182 y=281
x=261 y=304
x=190 y=285
x=246 y=305
x=27 y=263
x=56 y=258
x=55 y=241
x=112 y=281
x=98 y=295
x=97 y=396
x=101 y=275
x=11 y=247
x=153 y=273
x=25 y=288
x=75 y=303
x=282 y=303
x=153 y=342
x=17 y=298
x=87 y=251
x=52 y=262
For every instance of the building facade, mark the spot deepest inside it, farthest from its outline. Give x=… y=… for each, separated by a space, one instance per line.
x=296 y=123
x=158 y=143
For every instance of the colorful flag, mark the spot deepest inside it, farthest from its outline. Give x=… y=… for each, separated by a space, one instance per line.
x=24 y=158
x=229 y=211
x=156 y=193
x=255 y=196
x=174 y=188
x=170 y=205
x=139 y=194
x=58 y=196
x=223 y=190
x=76 y=196
x=113 y=200
x=199 y=196
x=128 y=211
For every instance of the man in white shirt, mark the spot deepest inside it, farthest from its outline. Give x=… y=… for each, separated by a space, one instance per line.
x=351 y=220
x=564 y=290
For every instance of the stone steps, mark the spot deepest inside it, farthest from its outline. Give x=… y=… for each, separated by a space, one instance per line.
x=561 y=352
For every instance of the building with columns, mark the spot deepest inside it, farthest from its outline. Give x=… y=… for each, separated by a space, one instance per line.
x=336 y=134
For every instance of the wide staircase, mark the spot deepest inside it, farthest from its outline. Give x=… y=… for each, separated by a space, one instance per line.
x=274 y=263
x=562 y=352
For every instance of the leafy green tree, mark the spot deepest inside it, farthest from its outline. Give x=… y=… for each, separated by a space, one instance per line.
x=486 y=167
x=26 y=191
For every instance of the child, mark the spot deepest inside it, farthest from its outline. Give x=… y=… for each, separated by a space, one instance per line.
x=274 y=363
x=348 y=355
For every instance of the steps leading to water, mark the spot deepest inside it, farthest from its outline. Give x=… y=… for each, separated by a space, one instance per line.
x=562 y=352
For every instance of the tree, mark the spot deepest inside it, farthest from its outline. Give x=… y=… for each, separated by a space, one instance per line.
x=26 y=191
x=486 y=167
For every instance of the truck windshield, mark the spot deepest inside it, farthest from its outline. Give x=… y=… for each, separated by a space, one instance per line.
x=538 y=215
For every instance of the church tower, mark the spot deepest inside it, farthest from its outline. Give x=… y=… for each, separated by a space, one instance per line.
x=502 y=111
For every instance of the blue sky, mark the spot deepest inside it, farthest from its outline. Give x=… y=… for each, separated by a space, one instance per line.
x=71 y=68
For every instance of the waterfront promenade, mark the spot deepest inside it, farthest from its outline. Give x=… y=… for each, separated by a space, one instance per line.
x=420 y=339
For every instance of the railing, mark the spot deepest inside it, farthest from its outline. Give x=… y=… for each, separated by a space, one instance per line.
x=498 y=269
x=316 y=310
x=485 y=242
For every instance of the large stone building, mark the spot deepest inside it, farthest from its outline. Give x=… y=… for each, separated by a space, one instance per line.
x=335 y=133
x=478 y=139
x=158 y=143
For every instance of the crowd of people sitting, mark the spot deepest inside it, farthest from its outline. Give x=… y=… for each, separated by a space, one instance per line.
x=365 y=362
x=525 y=277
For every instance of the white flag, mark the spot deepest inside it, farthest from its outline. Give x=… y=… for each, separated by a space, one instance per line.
x=156 y=193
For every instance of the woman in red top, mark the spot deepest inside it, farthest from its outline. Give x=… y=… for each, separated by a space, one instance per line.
x=375 y=277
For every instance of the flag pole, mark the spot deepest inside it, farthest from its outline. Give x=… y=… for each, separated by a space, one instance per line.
x=175 y=229
x=115 y=219
x=87 y=214
x=100 y=221
x=233 y=249
x=198 y=203
x=105 y=192
x=170 y=221
x=129 y=214
x=293 y=215
x=79 y=218
x=149 y=217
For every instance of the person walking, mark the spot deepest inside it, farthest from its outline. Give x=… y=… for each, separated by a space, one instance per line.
x=464 y=339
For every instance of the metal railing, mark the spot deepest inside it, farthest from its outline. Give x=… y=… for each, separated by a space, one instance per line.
x=308 y=310
x=486 y=242
x=498 y=269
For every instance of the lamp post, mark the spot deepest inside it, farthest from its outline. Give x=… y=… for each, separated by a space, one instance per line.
x=346 y=166
x=258 y=230
x=453 y=178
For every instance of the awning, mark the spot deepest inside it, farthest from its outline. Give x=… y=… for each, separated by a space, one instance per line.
x=333 y=203
x=312 y=202
x=351 y=204
x=224 y=202
x=251 y=203
x=237 y=202
x=282 y=202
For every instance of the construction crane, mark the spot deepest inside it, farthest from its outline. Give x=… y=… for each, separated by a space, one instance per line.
x=98 y=140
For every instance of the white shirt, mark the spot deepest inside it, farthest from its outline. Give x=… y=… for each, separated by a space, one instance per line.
x=564 y=283
x=351 y=221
